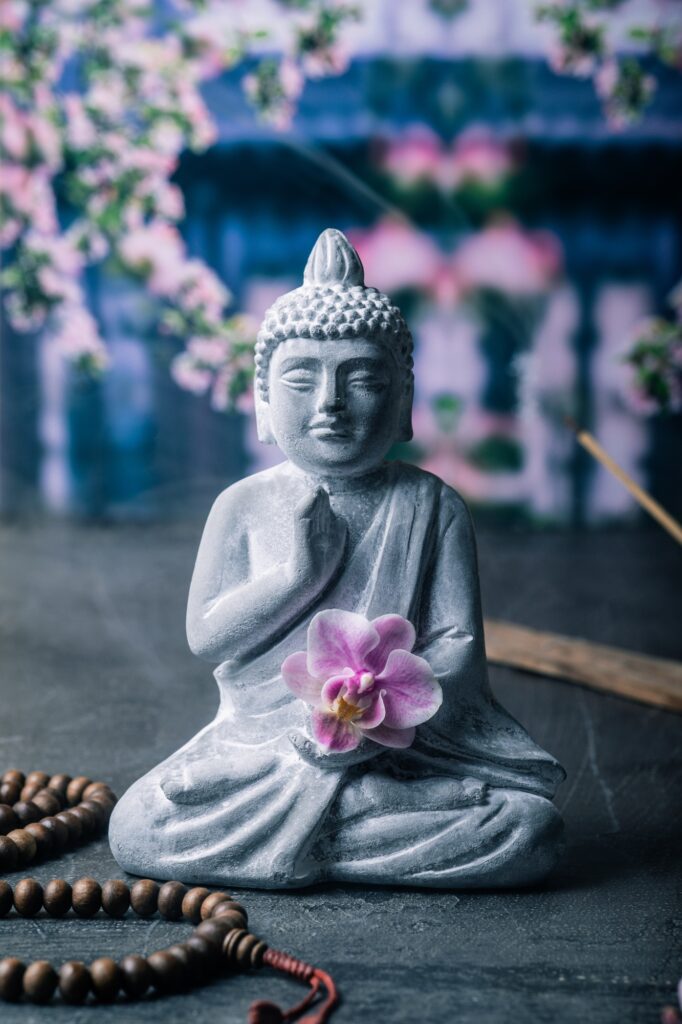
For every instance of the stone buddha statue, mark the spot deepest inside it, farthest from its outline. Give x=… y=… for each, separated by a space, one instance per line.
x=254 y=799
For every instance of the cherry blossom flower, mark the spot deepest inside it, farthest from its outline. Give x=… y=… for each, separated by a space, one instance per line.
x=155 y=248
x=654 y=361
x=78 y=340
x=362 y=680
x=80 y=132
x=138 y=105
x=14 y=137
x=189 y=376
x=624 y=89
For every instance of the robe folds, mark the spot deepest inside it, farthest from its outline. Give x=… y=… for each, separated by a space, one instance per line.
x=250 y=801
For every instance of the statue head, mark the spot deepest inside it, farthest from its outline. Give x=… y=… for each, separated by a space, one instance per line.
x=334 y=382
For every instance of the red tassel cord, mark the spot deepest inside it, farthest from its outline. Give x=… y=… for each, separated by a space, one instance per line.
x=264 y=1012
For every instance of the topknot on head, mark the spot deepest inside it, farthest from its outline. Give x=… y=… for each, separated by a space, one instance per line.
x=333 y=303
x=333 y=260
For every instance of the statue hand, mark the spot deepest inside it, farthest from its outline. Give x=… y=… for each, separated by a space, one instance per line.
x=319 y=539
x=309 y=751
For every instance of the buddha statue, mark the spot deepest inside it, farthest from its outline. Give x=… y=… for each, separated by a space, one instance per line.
x=461 y=800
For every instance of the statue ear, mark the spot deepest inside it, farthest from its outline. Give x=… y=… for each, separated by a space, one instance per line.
x=405 y=421
x=263 y=424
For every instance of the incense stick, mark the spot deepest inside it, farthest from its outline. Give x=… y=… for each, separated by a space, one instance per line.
x=655 y=681
x=649 y=504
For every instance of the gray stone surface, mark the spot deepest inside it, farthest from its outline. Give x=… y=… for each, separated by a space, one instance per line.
x=96 y=678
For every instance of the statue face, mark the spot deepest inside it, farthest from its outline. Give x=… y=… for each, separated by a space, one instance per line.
x=334 y=405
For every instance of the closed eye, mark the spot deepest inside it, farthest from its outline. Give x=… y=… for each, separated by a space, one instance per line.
x=298 y=380
x=367 y=380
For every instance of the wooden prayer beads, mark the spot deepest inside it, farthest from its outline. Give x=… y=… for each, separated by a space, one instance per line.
x=166 y=970
x=44 y=815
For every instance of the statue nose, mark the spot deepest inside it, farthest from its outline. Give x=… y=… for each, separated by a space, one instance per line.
x=330 y=400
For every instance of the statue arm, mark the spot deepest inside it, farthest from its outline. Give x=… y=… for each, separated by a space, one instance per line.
x=450 y=630
x=471 y=729
x=229 y=615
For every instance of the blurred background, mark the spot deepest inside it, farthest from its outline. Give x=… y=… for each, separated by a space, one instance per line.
x=509 y=172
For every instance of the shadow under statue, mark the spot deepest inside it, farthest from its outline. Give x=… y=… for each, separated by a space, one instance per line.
x=251 y=800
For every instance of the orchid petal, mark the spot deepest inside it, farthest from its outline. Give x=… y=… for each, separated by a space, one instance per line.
x=332 y=688
x=413 y=694
x=299 y=680
x=374 y=714
x=338 y=640
x=334 y=734
x=395 y=633
x=388 y=737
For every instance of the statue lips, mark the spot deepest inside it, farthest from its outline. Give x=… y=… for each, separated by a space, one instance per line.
x=328 y=430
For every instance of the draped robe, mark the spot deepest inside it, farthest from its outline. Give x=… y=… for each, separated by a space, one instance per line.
x=249 y=800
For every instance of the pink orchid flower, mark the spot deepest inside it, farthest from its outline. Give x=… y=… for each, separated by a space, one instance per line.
x=361 y=680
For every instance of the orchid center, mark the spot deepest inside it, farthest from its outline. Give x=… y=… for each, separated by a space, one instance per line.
x=366 y=682
x=345 y=710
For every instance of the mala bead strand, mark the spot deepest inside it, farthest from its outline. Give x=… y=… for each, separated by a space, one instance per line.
x=193 y=902
x=28 y=897
x=169 y=900
x=212 y=902
x=106 y=979
x=86 y=897
x=6 y=898
x=43 y=815
x=11 y=979
x=40 y=981
x=57 y=897
x=58 y=784
x=9 y=854
x=115 y=898
x=8 y=819
x=144 y=897
x=136 y=975
x=74 y=981
x=43 y=838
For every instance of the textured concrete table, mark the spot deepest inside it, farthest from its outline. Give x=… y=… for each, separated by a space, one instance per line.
x=96 y=678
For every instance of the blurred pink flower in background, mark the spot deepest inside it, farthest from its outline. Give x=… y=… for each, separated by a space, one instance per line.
x=479 y=157
x=80 y=129
x=506 y=258
x=58 y=250
x=13 y=13
x=564 y=60
x=327 y=60
x=502 y=256
x=138 y=106
x=210 y=351
x=415 y=156
x=396 y=255
x=14 y=135
x=78 y=340
x=155 y=250
x=420 y=156
x=189 y=376
x=221 y=364
x=28 y=193
x=198 y=289
x=624 y=89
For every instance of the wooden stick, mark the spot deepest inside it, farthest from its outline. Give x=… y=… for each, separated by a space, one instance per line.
x=648 y=503
x=654 y=681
